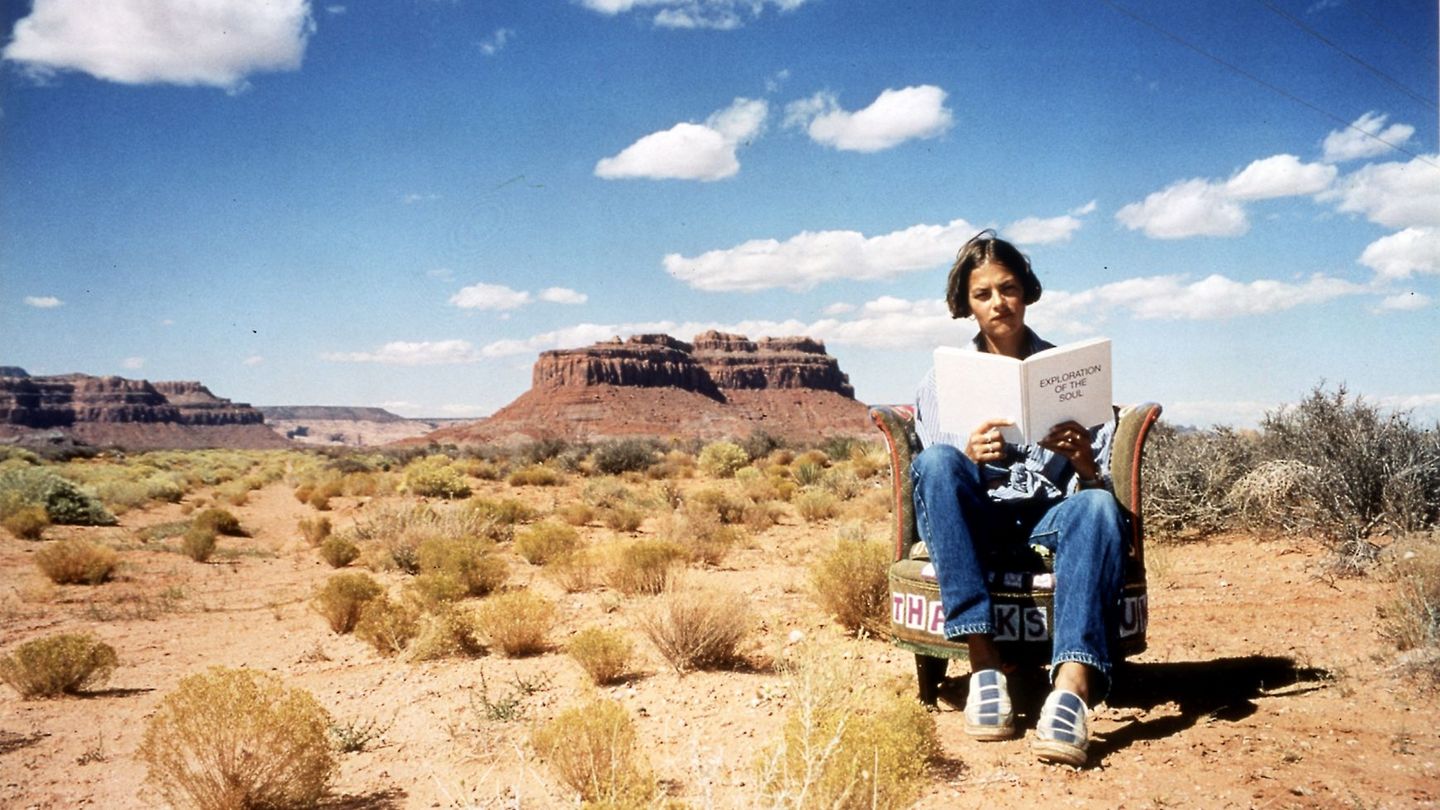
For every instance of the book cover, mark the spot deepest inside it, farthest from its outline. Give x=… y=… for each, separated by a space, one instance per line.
x=1037 y=393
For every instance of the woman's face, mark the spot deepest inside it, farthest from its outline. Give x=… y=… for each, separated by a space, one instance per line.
x=997 y=300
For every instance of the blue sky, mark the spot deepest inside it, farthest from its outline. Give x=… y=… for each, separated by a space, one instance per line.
x=401 y=203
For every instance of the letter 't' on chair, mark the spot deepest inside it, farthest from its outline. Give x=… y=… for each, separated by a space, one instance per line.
x=1022 y=592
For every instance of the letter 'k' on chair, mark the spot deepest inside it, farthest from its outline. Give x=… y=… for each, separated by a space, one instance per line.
x=1022 y=589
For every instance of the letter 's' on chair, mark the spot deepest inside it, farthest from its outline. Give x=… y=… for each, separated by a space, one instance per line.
x=1022 y=591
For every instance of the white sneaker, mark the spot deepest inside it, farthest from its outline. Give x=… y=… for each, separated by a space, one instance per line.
x=1063 y=733
x=988 y=715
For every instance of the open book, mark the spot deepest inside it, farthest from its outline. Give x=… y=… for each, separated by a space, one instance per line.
x=1037 y=393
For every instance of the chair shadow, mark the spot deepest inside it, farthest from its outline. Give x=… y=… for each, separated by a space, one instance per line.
x=387 y=799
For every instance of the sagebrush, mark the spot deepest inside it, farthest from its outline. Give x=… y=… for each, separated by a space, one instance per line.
x=66 y=663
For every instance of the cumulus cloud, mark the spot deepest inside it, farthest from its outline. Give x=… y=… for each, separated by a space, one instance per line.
x=723 y=15
x=893 y=118
x=1397 y=195
x=1279 y=176
x=563 y=295
x=813 y=257
x=1037 y=231
x=43 y=301
x=1400 y=255
x=1368 y=136
x=253 y=360
x=689 y=151
x=1201 y=207
x=489 y=297
x=416 y=353
x=215 y=43
x=497 y=41
x=133 y=363
x=1403 y=302
x=1214 y=297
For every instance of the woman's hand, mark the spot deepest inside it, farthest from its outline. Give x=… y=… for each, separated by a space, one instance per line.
x=985 y=444
x=1072 y=440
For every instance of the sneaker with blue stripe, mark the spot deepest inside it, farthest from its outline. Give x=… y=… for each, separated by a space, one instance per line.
x=1063 y=733
x=988 y=714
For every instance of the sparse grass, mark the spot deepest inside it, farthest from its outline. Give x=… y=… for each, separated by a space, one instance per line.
x=354 y=736
x=595 y=751
x=67 y=663
x=542 y=542
x=198 y=543
x=1411 y=618
x=699 y=628
x=77 y=562
x=238 y=738
x=604 y=654
x=338 y=551
x=642 y=566
x=518 y=622
x=342 y=599
x=850 y=582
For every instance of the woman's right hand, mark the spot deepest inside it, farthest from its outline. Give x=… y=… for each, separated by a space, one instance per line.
x=985 y=444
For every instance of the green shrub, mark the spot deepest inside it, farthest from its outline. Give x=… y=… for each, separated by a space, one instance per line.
x=339 y=551
x=435 y=477
x=65 y=503
x=198 y=543
x=387 y=625
x=544 y=541
x=624 y=455
x=722 y=459
x=643 y=566
x=603 y=654
x=595 y=752
x=238 y=738
x=27 y=522
x=699 y=628
x=61 y=664
x=518 y=622
x=342 y=598
x=219 y=521
x=850 y=582
x=77 y=562
x=470 y=562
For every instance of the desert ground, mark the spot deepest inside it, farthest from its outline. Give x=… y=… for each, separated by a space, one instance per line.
x=1266 y=682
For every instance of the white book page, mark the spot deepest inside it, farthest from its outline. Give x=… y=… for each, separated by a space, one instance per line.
x=974 y=387
x=1068 y=382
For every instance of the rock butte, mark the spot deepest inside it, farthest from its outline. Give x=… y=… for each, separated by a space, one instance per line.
x=655 y=385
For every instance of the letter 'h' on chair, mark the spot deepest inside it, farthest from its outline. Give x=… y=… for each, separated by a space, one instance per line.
x=1022 y=592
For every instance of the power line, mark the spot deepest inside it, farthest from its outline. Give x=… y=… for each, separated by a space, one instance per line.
x=1298 y=23
x=1273 y=88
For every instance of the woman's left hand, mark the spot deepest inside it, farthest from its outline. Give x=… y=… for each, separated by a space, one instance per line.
x=1072 y=440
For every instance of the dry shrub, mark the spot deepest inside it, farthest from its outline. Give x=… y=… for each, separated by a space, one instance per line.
x=605 y=655
x=1411 y=618
x=625 y=517
x=315 y=530
x=846 y=744
x=624 y=455
x=470 y=562
x=868 y=460
x=502 y=511
x=817 y=458
x=446 y=633
x=388 y=625
x=518 y=622
x=674 y=464
x=816 y=505
x=77 y=562
x=722 y=459
x=67 y=663
x=603 y=493
x=851 y=583
x=875 y=506
x=303 y=492
x=1188 y=476
x=727 y=508
x=841 y=482
x=576 y=513
x=1275 y=496
x=643 y=566
x=27 y=522
x=595 y=752
x=574 y=572
x=198 y=543
x=699 y=628
x=435 y=477
x=544 y=541
x=760 y=516
x=342 y=598
x=237 y=738
x=535 y=475
x=704 y=537
x=339 y=551
x=319 y=500
x=219 y=521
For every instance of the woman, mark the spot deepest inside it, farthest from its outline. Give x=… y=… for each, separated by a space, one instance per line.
x=975 y=494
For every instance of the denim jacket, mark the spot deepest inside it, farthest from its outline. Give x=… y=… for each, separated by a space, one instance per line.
x=1031 y=472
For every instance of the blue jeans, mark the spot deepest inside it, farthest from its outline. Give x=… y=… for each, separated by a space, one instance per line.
x=963 y=528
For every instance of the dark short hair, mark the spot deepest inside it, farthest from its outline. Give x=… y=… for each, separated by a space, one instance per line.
x=985 y=248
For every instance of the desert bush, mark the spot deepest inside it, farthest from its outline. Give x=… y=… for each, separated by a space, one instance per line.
x=1410 y=618
x=342 y=598
x=388 y=625
x=1274 y=496
x=315 y=530
x=576 y=513
x=725 y=507
x=869 y=459
x=27 y=522
x=238 y=738
x=595 y=752
x=544 y=541
x=219 y=521
x=518 y=622
x=60 y=664
x=807 y=474
x=704 y=537
x=543 y=449
x=761 y=443
x=841 y=482
x=77 y=562
x=698 y=628
x=846 y=744
x=722 y=459
x=816 y=505
x=1188 y=476
x=760 y=516
x=470 y=562
x=674 y=464
x=198 y=543
x=535 y=475
x=338 y=551
x=850 y=583
x=604 y=654
x=65 y=502
x=624 y=517
x=603 y=493
x=435 y=477
x=319 y=500
x=624 y=455
x=573 y=572
x=642 y=566
x=502 y=512
x=446 y=633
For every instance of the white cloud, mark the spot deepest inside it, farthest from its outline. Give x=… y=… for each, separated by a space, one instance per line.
x=1397 y=195
x=1087 y=208
x=1188 y=208
x=721 y=15
x=1366 y=137
x=417 y=353
x=133 y=363
x=1279 y=176
x=1404 y=302
x=562 y=295
x=412 y=198
x=689 y=151
x=839 y=308
x=43 y=301
x=1399 y=255
x=489 y=297
x=893 y=118
x=215 y=43
x=497 y=41
x=1037 y=231
x=1214 y=297
x=253 y=360
x=813 y=257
